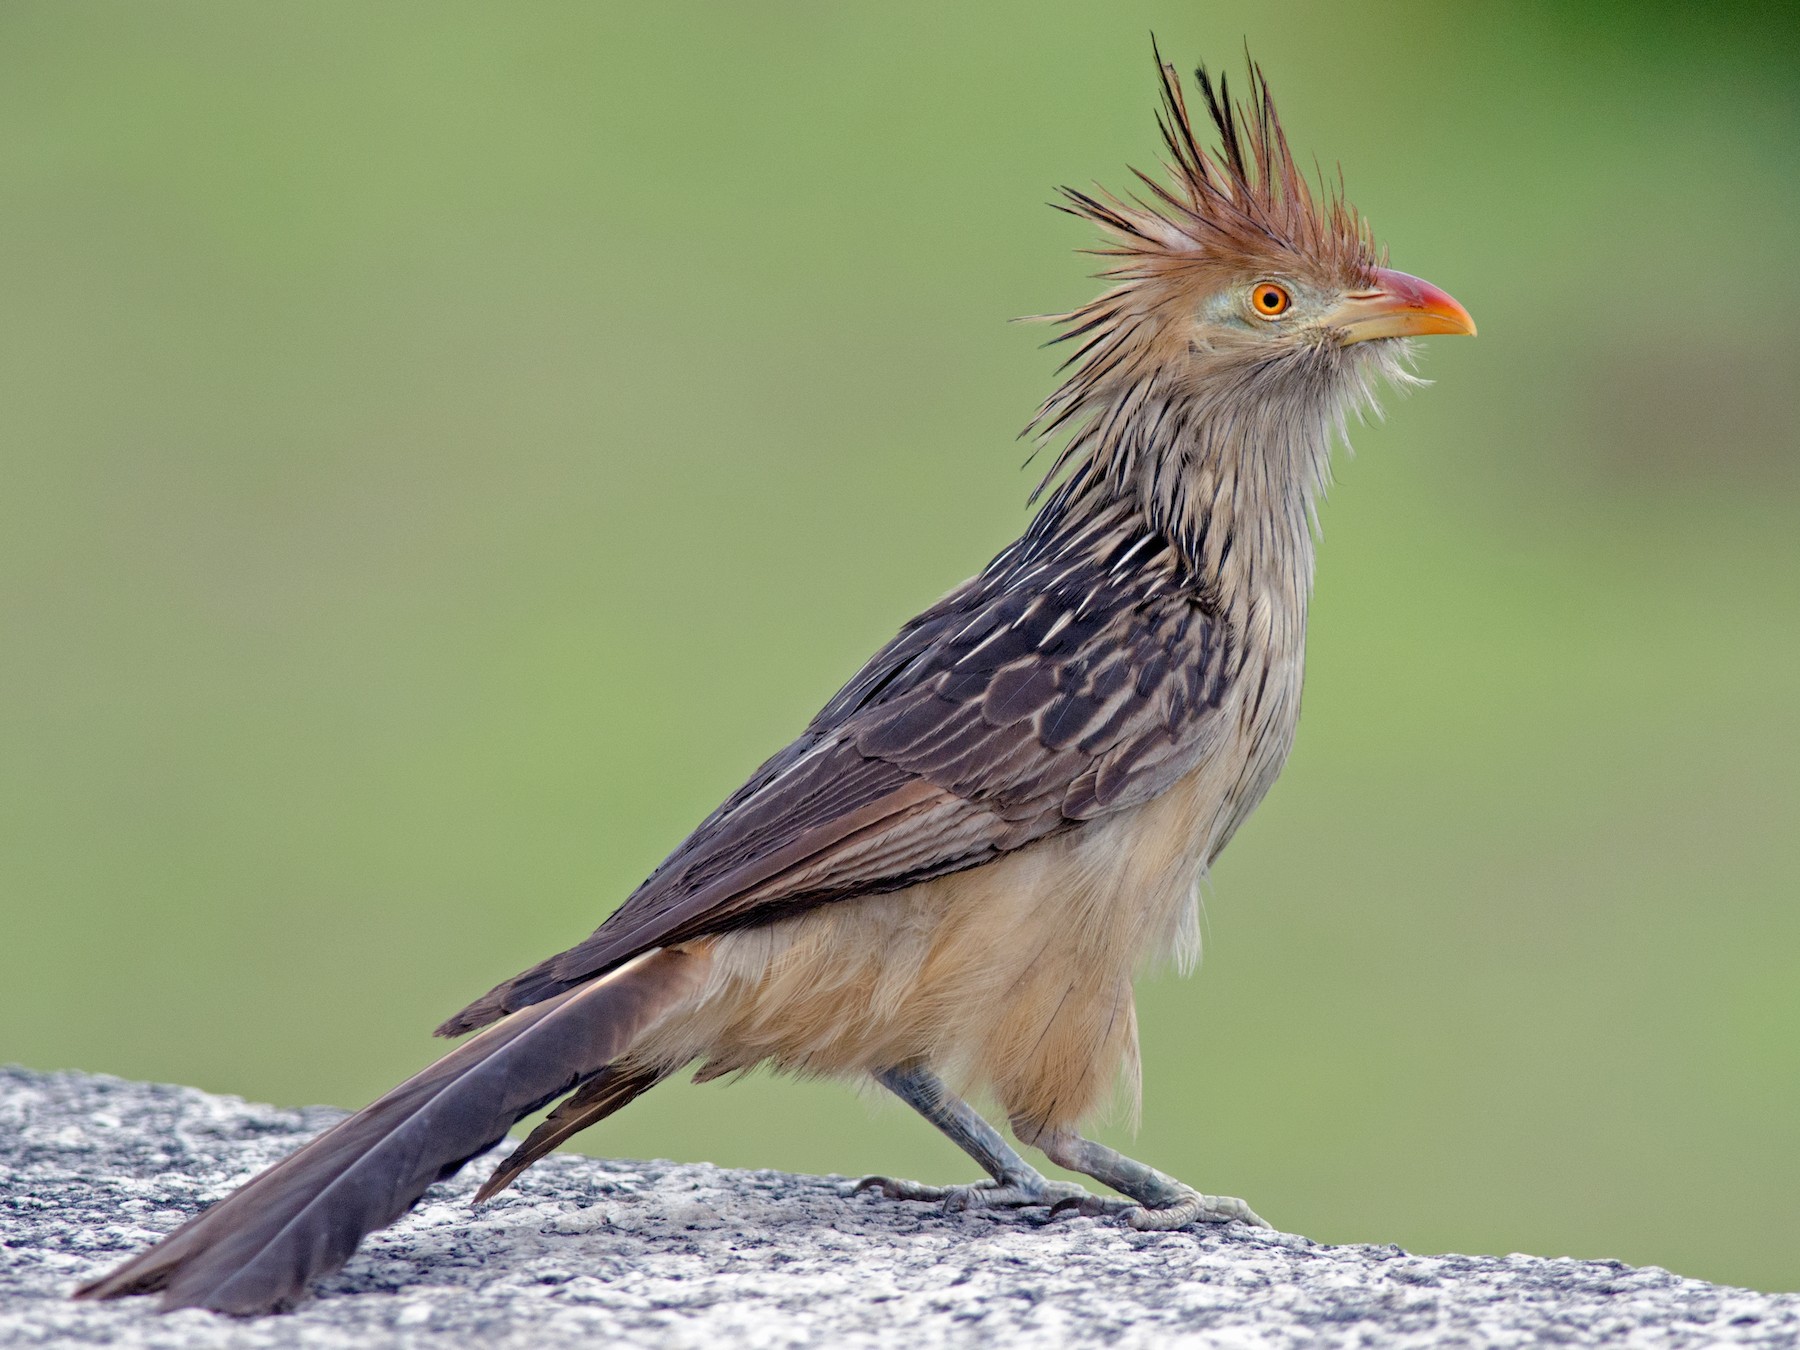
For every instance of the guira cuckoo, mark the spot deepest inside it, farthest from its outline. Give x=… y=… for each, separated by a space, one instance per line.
x=953 y=874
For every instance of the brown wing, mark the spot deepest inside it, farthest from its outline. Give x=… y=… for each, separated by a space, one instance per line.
x=1074 y=677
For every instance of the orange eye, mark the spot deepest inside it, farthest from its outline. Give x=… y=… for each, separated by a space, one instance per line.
x=1270 y=300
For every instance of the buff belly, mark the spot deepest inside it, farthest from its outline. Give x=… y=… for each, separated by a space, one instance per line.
x=1013 y=978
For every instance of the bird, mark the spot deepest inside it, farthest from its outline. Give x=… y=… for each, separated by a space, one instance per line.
x=949 y=881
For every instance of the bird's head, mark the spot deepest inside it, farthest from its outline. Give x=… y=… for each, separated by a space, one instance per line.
x=1240 y=293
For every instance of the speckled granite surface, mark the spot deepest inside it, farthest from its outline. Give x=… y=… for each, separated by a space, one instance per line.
x=595 y=1252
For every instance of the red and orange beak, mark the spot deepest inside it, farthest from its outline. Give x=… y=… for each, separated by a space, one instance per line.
x=1399 y=306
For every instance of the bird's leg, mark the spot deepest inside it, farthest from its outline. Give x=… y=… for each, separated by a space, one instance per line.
x=1162 y=1201
x=1015 y=1181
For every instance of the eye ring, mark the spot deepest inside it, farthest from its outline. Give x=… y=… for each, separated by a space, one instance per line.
x=1270 y=300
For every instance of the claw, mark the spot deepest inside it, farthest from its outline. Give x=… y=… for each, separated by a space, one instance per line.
x=895 y=1188
x=1093 y=1206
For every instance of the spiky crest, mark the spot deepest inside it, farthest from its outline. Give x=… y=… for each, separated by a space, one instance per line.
x=1244 y=208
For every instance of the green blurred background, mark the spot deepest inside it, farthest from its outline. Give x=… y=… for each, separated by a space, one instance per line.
x=447 y=446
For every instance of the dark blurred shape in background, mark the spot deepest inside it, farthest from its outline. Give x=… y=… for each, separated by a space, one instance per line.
x=381 y=388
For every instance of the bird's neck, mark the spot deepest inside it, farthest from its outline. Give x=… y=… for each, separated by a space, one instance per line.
x=1237 y=495
x=1232 y=489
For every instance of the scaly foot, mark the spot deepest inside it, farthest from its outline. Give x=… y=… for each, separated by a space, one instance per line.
x=1162 y=1201
x=1187 y=1209
x=1015 y=1192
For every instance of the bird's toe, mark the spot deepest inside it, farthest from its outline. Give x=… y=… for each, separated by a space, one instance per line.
x=1195 y=1208
x=898 y=1188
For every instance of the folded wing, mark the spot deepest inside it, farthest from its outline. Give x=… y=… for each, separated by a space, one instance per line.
x=1032 y=698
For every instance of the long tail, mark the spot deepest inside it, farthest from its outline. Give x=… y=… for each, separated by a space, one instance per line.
x=257 y=1250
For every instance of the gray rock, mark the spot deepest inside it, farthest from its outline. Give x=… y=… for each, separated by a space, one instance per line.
x=594 y=1252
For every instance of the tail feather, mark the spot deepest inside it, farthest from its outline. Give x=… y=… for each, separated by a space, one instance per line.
x=592 y=1102
x=258 y=1249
